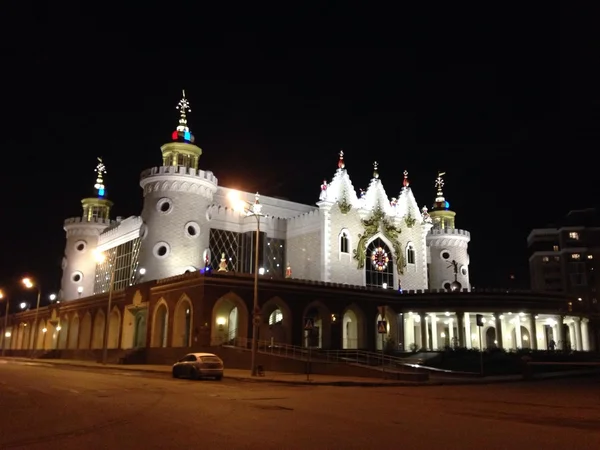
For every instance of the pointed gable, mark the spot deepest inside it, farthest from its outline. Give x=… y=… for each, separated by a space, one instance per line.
x=375 y=197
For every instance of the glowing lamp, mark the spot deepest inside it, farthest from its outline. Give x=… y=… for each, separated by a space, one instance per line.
x=80 y=289
x=99 y=256
x=174 y=135
x=7 y=334
x=22 y=305
x=187 y=136
x=221 y=321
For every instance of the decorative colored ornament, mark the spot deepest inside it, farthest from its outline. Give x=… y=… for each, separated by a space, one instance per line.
x=100 y=170
x=394 y=202
x=223 y=263
x=406 y=183
x=288 y=271
x=375 y=173
x=380 y=259
x=341 y=163
x=323 y=194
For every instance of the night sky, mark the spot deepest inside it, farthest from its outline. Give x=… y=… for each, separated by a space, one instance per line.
x=502 y=101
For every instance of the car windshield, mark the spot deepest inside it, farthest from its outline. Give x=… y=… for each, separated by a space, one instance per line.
x=210 y=359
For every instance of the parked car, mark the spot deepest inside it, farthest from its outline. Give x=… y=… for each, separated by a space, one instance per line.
x=199 y=365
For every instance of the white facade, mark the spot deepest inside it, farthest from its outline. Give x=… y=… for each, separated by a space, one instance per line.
x=366 y=239
x=79 y=264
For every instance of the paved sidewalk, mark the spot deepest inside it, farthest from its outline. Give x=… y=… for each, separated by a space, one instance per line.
x=301 y=379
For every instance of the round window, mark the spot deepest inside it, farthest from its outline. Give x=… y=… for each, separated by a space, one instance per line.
x=80 y=246
x=192 y=229
x=164 y=205
x=162 y=250
x=445 y=254
x=447 y=285
x=76 y=277
x=463 y=271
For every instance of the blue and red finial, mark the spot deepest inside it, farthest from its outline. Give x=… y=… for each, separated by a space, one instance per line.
x=100 y=170
x=182 y=132
x=440 y=201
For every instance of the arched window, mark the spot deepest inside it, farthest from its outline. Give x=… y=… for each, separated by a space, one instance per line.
x=379 y=266
x=410 y=254
x=344 y=242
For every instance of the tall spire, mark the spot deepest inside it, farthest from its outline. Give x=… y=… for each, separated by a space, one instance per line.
x=182 y=132
x=341 y=163
x=439 y=184
x=405 y=182
x=184 y=107
x=100 y=170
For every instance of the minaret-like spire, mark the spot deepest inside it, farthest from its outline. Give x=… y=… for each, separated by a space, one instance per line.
x=439 y=184
x=341 y=163
x=375 y=173
x=182 y=133
x=184 y=107
x=406 y=183
x=100 y=170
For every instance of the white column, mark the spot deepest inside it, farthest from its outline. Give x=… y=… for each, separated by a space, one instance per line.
x=450 y=329
x=409 y=330
x=434 y=331
x=577 y=325
x=517 y=324
x=468 y=340
x=585 y=334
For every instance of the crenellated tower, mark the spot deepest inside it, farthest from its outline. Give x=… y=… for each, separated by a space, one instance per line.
x=176 y=197
x=79 y=263
x=448 y=246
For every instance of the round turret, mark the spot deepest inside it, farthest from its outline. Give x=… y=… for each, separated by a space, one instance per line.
x=174 y=234
x=79 y=262
x=448 y=247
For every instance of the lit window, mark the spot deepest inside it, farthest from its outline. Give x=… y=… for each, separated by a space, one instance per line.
x=555 y=248
x=590 y=256
x=575 y=256
x=574 y=235
x=545 y=259
x=344 y=243
x=410 y=254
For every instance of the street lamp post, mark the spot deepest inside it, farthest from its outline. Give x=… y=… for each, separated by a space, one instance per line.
x=5 y=324
x=252 y=209
x=29 y=284
x=100 y=258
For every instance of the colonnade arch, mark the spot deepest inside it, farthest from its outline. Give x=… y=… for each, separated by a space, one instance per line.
x=320 y=335
x=182 y=323
x=354 y=328
x=230 y=319
x=114 y=328
x=160 y=324
x=73 y=337
x=391 y=334
x=98 y=330
x=85 y=331
x=276 y=322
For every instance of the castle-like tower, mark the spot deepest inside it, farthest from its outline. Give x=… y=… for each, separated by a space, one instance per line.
x=448 y=246
x=79 y=264
x=176 y=197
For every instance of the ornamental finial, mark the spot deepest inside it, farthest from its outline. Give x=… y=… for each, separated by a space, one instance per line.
x=406 y=183
x=184 y=107
x=375 y=173
x=100 y=170
x=341 y=163
x=439 y=183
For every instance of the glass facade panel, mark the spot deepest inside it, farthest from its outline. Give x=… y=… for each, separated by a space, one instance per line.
x=126 y=260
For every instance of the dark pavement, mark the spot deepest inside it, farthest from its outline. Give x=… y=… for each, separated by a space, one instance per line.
x=49 y=407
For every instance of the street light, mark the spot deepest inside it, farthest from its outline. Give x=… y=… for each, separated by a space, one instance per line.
x=4 y=332
x=251 y=209
x=29 y=285
x=101 y=258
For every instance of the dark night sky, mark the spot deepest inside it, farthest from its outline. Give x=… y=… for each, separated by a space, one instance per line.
x=505 y=102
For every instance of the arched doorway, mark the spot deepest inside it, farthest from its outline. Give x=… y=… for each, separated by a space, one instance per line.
x=85 y=331
x=182 y=323
x=525 y=337
x=276 y=323
x=41 y=335
x=353 y=328
x=229 y=321
x=320 y=334
x=26 y=336
x=160 y=325
x=114 y=328
x=63 y=332
x=98 y=330
x=139 y=330
x=389 y=339
x=73 y=338
x=490 y=337
x=379 y=266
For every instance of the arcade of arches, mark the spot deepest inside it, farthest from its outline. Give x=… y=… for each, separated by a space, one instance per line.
x=347 y=329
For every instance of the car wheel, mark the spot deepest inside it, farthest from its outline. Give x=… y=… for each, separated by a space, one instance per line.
x=219 y=377
x=194 y=375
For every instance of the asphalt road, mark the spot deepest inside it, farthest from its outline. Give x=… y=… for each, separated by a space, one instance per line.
x=47 y=407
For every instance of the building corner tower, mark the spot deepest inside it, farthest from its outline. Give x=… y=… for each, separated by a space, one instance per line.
x=176 y=197
x=79 y=263
x=448 y=246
